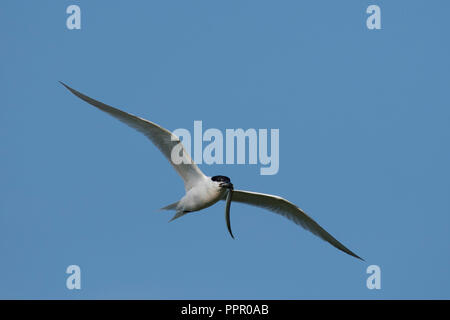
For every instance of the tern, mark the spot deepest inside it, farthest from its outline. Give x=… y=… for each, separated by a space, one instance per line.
x=203 y=191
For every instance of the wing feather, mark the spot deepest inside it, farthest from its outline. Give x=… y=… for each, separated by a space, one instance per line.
x=292 y=212
x=163 y=139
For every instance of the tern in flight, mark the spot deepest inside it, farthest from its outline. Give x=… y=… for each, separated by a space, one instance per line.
x=203 y=191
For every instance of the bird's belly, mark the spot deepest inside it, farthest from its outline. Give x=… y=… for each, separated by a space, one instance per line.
x=198 y=200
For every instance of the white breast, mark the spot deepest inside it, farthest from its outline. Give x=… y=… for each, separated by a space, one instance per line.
x=203 y=195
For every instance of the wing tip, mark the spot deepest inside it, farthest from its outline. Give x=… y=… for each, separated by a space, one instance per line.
x=358 y=257
x=354 y=255
x=69 y=88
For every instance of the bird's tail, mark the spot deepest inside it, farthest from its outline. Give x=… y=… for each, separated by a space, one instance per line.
x=172 y=206
x=178 y=215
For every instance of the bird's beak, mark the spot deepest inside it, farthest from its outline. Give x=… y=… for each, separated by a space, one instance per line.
x=227 y=185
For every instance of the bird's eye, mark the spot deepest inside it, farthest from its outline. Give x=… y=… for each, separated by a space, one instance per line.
x=220 y=179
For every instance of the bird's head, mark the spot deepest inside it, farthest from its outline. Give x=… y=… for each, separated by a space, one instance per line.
x=223 y=182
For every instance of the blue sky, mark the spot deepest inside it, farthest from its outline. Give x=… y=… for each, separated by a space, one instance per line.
x=364 y=131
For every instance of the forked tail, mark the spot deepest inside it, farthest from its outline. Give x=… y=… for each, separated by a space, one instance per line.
x=172 y=206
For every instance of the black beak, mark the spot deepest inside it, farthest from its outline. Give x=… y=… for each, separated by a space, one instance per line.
x=227 y=185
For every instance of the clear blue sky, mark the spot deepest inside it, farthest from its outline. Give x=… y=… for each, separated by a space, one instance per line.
x=364 y=119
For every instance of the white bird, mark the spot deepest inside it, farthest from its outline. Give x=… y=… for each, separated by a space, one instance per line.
x=203 y=191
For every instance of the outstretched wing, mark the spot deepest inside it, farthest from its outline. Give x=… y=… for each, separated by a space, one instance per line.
x=164 y=140
x=290 y=211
